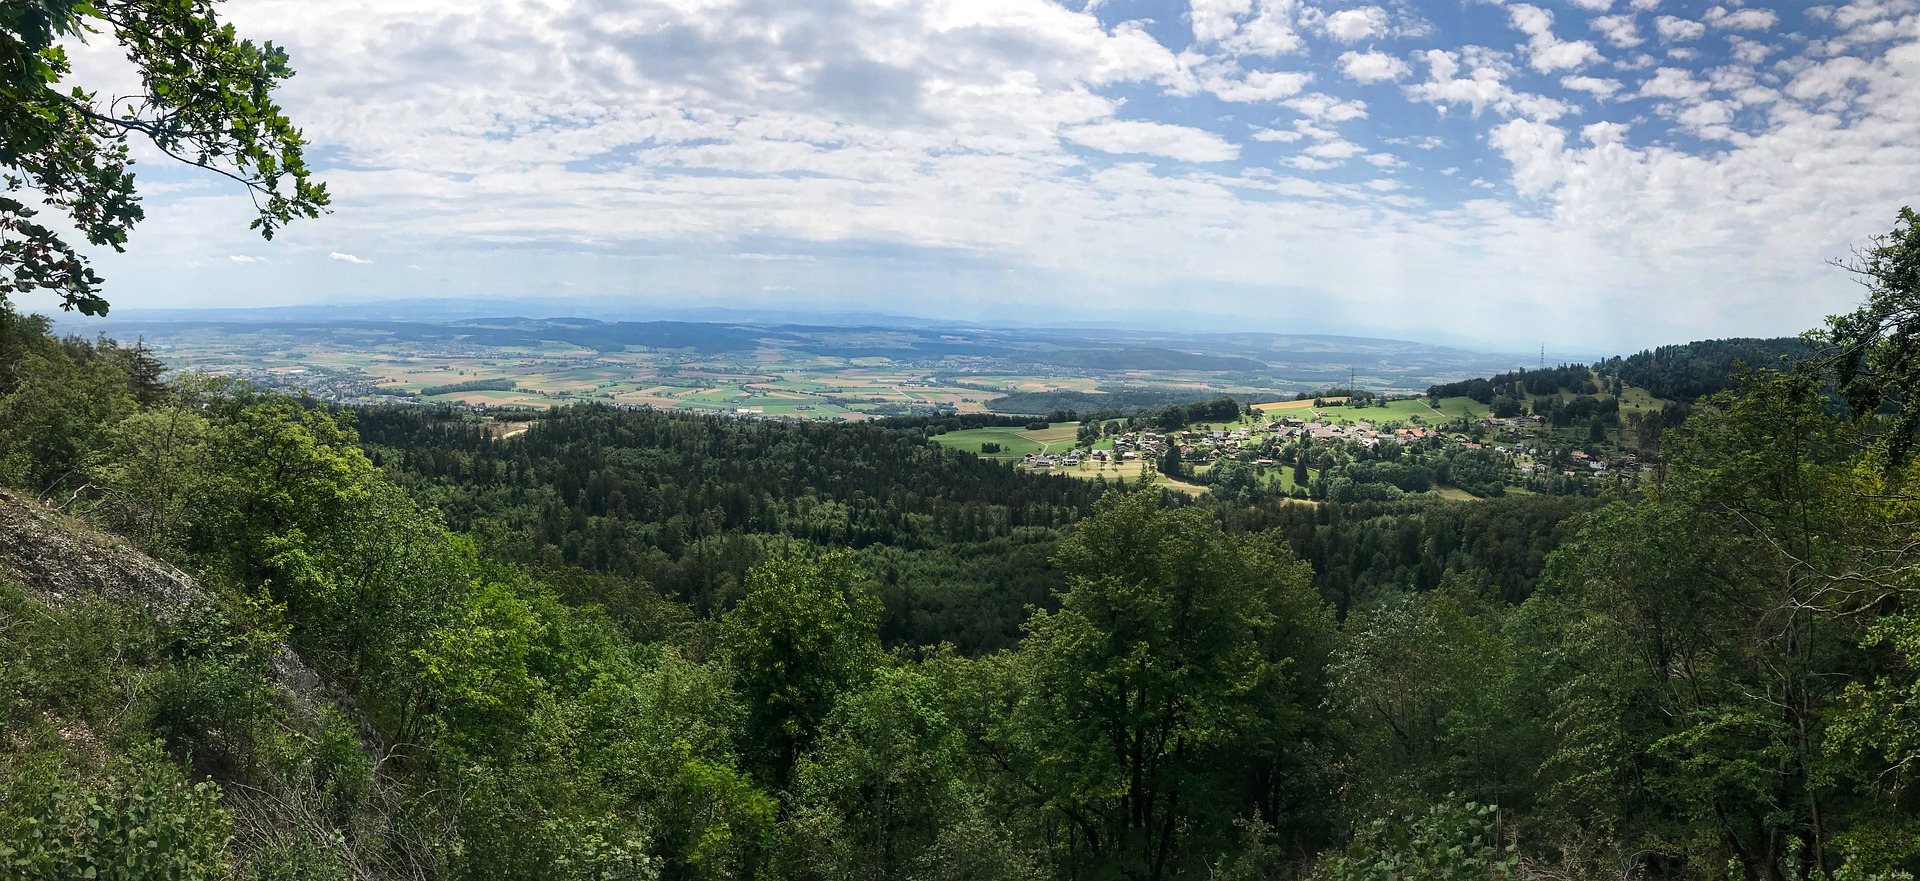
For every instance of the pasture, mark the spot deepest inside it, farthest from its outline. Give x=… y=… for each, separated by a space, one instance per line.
x=1015 y=442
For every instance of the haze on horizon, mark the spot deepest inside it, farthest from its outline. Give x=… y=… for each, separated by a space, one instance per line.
x=1592 y=174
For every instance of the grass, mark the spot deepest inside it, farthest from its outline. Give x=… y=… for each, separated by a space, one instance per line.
x=1015 y=442
x=1132 y=471
x=1393 y=413
x=1634 y=398
x=1283 y=406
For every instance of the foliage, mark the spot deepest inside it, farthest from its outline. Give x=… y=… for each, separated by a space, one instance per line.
x=1161 y=670
x=1449 y=842
x=142 y=822
x=1877 y=361
x=471 y=385
x=804 y=634
x=205 y=99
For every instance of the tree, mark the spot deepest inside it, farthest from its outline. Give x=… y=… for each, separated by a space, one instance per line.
x=1170 y=463
x=1166 y=697
x=205 y=99
x=883 y=782
x=1876 y=357
x=805 y=634
x=1432 y=695
x=1697 y=638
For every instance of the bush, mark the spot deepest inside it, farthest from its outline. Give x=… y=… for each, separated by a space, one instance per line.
x=1450 y=842
x=144 y=821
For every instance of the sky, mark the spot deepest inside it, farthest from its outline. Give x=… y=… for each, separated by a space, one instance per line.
x=1596 y=174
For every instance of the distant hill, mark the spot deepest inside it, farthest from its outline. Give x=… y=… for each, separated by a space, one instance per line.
x=1148 y=359
x=1682 y=373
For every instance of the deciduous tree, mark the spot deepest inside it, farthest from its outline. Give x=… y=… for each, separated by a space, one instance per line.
x=205 y=99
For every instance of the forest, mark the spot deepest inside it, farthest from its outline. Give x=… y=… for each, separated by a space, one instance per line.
x=641 y=645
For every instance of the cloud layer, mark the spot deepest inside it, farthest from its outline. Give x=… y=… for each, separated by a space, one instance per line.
x=1601 y=173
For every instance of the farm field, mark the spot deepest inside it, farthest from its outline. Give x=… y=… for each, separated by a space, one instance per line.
x=1015 y=442
x=795 y=372
x=1393 y=413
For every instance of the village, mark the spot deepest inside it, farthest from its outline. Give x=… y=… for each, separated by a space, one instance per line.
x=1528 y=447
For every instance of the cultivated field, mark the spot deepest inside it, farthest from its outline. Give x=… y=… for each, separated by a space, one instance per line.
x=802 y=373
x=1015 y=442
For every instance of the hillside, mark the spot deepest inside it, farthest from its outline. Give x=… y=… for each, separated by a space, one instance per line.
x=1680 y=373
x=107 y=649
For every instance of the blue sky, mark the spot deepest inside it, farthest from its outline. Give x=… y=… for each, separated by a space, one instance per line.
x=1595 y=174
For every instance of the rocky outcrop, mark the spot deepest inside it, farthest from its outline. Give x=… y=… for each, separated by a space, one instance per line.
x=60 y=557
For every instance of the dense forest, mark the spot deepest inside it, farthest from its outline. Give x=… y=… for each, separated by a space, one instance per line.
x=404 y=644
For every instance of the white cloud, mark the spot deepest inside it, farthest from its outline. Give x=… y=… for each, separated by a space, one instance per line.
x=1229 y=83
x=1748 y=51
x=1247 y=27
x=1180 y=142
x=1741 y=19
x=245 y=259
x=1340 y=150
x=1830 y=79
x=1373 y=67
x=1595 y=86
x=1327 y=108
x=1619 y=30
x=1548 y=52
x=1675 y=83
x=1483 y=87
x=1707 y=117
x=347 y=258
x=1768 y=191
x=1276 y=135
x=1354 y=25
x=1593 y=5
x=1673 y=29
